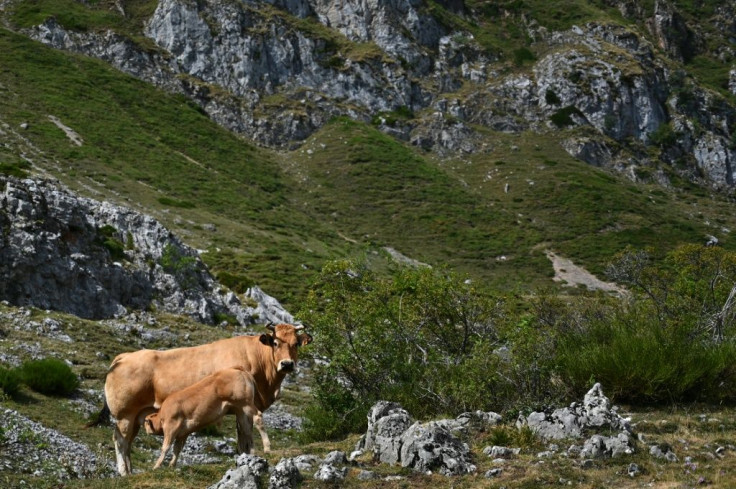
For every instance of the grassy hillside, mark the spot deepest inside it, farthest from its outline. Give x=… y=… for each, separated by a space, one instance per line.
x=158 y=153
x=350 y=189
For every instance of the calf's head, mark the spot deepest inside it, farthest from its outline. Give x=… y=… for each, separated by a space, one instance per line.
x=284 y=341
x=153 y=424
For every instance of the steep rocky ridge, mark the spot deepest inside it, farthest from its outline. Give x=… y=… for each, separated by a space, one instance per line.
x=96 y=260
x=278 y=71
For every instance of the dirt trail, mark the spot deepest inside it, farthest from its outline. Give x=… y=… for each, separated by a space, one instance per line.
x=573 y=276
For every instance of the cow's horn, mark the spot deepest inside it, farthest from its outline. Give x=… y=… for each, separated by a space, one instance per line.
x=299 y=327
x=270 y=326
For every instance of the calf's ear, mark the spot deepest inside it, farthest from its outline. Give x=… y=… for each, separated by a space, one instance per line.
x=267 y=339
x=305 y=339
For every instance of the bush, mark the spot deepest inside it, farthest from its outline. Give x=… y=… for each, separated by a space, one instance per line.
x=421 y=337
x=551 y=98
x=49 y=376
x=663 y=137
x=563 y=117
x=671 y=341
x=9 y=381
x=522 y=55
x=640 y=362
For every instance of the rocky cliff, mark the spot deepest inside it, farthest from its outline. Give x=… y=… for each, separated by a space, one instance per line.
x=277 y=71
x=97 y=260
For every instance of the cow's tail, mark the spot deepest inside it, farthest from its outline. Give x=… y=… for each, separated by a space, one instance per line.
x=102 y=417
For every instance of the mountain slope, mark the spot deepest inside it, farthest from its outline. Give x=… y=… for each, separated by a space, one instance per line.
x=471 y=134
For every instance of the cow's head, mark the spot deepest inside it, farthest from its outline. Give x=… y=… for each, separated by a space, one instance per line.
x=285 y=340
x=153 y=424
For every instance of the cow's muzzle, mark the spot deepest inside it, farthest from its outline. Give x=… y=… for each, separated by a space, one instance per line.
x=286 y=366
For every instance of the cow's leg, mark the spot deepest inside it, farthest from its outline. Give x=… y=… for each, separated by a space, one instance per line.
x=178 y=445
x=164 y=448
x=244 y=423
x=258 y=422
x=125 y=431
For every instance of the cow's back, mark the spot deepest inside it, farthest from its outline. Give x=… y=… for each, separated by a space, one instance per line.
x=145 y=378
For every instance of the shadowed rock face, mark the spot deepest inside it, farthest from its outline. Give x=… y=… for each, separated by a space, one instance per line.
x=96 y=260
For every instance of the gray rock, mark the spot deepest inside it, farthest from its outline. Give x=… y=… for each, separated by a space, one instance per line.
x=501 y=452
x=599 y=446
x=330 y=473
x=238 y=478
x=431 y=447
x=28 y=447
x=421 y=447
x=285 y=475
x=366 y=475
x=306 y=462
x=663 y=452
x=492 y=473
x=335 y=457
x=476 y=421
x=633 y=470
x=387 y=421
x=355 y=454
x=571 y=422
x=256 y=464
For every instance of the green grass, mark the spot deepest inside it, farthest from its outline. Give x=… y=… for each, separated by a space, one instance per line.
x=97 y=15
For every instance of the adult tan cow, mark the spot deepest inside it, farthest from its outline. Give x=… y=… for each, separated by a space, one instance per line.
x=200 y=405
x=138 y=382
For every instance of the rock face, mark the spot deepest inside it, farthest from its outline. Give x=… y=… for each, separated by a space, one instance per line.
x=279 y=70
x=96 y=260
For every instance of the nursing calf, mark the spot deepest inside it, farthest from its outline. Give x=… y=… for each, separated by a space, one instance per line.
x=139 y=382
x=228 y=391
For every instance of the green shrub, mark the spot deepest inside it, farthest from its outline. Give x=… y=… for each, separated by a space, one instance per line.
x=421 y=337
x=638 y=361
x=169 y=202
x=49 y=376
x=221 y=317
x=17 y=169
x=9 y=381
x=563 y=117
x=115 y=247
x=346 y=412
x=551 y=98
x=522 y=55
x=234 y=281
x=664 y=136
x=672 y=341
x=183 y=267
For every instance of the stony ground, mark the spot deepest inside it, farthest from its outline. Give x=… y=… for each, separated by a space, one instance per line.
x=43 y=443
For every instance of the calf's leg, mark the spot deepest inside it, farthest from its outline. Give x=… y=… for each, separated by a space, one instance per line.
x=164 y=448
x=178 y=445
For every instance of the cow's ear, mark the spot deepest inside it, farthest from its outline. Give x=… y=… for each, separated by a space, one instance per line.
x=305 y=339
x=267 y=339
